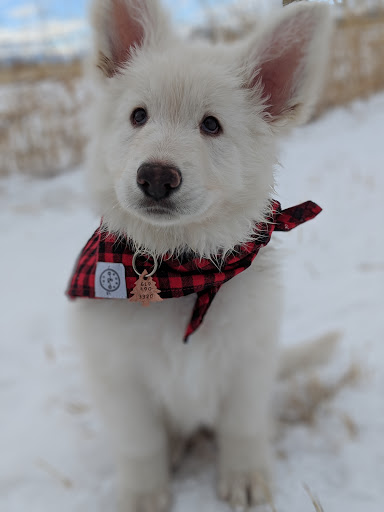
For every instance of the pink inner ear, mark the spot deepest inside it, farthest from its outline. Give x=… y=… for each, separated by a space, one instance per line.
x=282 y=62
x=278 y=83
x=125 y=31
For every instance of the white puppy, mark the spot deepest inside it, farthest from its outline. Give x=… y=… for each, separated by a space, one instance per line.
x=205 y=119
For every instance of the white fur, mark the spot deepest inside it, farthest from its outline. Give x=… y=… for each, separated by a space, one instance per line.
x=149 y=386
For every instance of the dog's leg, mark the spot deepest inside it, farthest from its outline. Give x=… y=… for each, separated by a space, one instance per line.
x=243 y=436
x=140 y=444
x=142 y=452
x=244 y=423
x=131 y=412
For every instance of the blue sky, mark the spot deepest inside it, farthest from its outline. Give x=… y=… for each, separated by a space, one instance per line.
x=19 y=12
x=16 y=13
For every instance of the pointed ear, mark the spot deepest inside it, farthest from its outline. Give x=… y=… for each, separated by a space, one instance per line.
x=287 y=62
x=121 y=27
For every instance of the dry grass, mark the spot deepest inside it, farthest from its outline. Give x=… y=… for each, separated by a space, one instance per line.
x=35 y=72
x=66 y=482
x=357 y=56
x=307 y=397
x=42 y=129
x=315 y=501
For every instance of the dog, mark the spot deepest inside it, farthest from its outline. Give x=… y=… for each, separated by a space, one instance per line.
x=182 y=164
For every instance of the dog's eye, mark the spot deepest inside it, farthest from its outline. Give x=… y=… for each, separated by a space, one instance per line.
x=139 y=117
x=211 y=126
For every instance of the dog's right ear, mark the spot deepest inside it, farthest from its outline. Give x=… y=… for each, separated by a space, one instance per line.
x=122 y=27
x=286 y=62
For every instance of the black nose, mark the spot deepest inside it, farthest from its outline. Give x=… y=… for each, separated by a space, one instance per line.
x=158 y=180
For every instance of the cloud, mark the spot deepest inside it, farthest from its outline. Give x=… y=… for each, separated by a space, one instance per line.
x=23 y=12
x=54 y=37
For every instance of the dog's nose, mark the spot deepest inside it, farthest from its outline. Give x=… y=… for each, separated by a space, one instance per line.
x=158 y=180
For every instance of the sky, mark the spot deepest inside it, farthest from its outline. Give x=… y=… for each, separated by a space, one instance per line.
x=44 y=27
x=17 y=12
x=34 y=27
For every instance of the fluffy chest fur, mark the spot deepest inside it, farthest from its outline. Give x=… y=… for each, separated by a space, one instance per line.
x=189 y=381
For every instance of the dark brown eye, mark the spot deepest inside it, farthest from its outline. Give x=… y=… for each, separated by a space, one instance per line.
x=139 y=117
x=211 y=126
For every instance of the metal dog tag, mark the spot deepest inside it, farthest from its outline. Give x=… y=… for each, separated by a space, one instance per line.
x=145 y=290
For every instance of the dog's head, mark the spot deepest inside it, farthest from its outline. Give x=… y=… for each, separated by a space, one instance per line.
x=183 y=152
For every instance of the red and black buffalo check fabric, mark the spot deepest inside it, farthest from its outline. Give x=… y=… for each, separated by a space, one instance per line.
x=176 y=277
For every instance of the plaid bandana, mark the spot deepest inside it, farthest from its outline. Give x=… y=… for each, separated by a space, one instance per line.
x=174 y=277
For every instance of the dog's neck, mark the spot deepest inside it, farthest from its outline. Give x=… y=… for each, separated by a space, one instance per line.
x=204 y=239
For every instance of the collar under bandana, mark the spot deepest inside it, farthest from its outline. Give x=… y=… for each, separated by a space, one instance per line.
x=105 y=266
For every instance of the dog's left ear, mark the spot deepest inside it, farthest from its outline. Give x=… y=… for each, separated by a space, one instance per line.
x=121 y=28
x=285 y=64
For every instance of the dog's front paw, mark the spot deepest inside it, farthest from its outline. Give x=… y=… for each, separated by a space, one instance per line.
x=244 y=489
x=245 y=474
x=157 y=501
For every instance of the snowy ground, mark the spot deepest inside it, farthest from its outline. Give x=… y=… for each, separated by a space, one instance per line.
x=54 y=453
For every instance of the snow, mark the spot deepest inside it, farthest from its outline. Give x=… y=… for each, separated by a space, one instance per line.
x=54 y=451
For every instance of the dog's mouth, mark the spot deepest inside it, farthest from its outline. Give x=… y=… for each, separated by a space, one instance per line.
x=159 y=211
x=164 y=210
x=168 y=211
